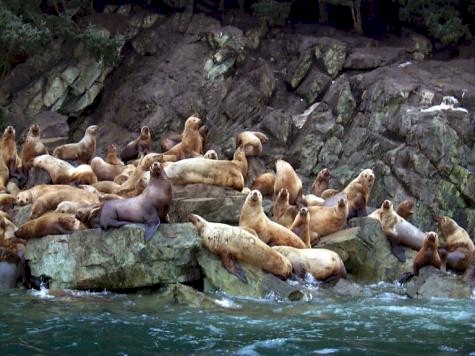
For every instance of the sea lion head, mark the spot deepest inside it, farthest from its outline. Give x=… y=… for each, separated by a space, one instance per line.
x=9 y=132
x=446 y=225
x=156 y=169
x=387 y=205
x=145 y=132
x=432 y=238
x=204 y=130
x=325 y=172
x=193 y=122
x=69 y=223
x=92 y=130
x=283 y=194
x=342 y=203
x=368 y=176
x=23 y=198
x=111 y=148
x=211 y=154
x=197 y=221
x=262 y=137
x=35 y=130
x=239 y=154
x=303 y=212
x=254 y=197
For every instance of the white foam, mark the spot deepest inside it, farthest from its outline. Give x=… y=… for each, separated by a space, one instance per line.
x=227 y=303
x=448 y=103
x=405 y=64
x=326 y=351
x=43 y=293
x=268 y=344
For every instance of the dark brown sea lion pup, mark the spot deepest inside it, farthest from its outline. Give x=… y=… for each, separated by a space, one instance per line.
x=252 y=142
x=232 y=243
x=398 y=230
x=458 y=244
x=264 y=183
x=320 y=183
x=405 y=208
x=138 y=147
x=253 y=217
x=191 y=144
x=9 y=152
x=286 y=177
x=49 y=224
x=322 y=264
x=32 y=147
x=282 y=211
x=81 y=151
x=150 y=207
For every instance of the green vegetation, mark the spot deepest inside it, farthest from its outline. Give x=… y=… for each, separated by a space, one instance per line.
x=275 y=12
x=26 y=29
x=441 y=19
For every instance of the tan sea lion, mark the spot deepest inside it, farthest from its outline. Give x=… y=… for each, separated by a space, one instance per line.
x=211 y=154
x=322 y=264
x=4 y=175
x=112 y=156
x=252 y=142
x=301 y=226
x=8 y=150
x=253 y=217
x=358 y=191
x=29 y=196
x=282 y=211
x=398 y=230
x=325 y=220
x=32 y=147
x=7 y=201
x=312 y=200
x=90 y=215
x=328 y=193
x=138 y=147
x=49 y=224
x=104 y=170
x=191 y=144
x=404 y=209
x=62 y=172
x=150 y=207
x=232 y=243
x=70 y=207
x=320 y=183
x=216 y=172
x=286 y=177
x=81 y=151
x=458 y=244
x=264 y=183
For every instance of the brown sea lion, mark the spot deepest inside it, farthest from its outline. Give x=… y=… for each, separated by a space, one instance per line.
x=191 y=144
x=175 y=138
x=286 y=177
x=458 y=244
x=428 y=255
x=252 y=142
x=301 y=226
x=322 y=264
x=216 y=172
x=7 y=201
x=139 y=147
x=253 y=217
x=232 y=243
x=398 y=230
x=150 y=207
x=326 y=220
x=358 y=191
x=264 y=183
x=112 y=156
x=49 y=224
x=29 y=196
x=9 y=152
x=282 y=211
x=404 y=209
x=104 y=170
x=62 y=172
x=49 y=201
x=32 y=147
x=320 y=183
x=90 y=215
x=81 y=151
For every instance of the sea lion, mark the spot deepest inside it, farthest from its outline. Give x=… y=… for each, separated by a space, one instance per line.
x=191 y=144
x=49 y=224
x=232 y=243
x=49 y=201
x=216 y=172
x=326 y=220
x=112 y=156
x=252 y=142
x=320 y=183
x=282 y=211
x=70 y=207
x=428 y=255
x=62 y=172
x=173 y=139
x=7 y=201
x=29 y=196
x=358 y=191
x=301 y=226
x=398 y=230
x=81 y=151
x=90 y=215
x=286 y=177
x=322 y=264
x=458 y=244
x=32 y=147
x=328 y=193
x=211 y=154
x=264 y=183
x=312 y=200
x=150 y=207
x=104 y=170
x=139 y=147
x=4 y=175
x=8 y=150
x=404 y=209
x=252 y=216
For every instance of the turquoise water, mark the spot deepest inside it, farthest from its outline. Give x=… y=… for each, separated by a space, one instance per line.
x=107 y=323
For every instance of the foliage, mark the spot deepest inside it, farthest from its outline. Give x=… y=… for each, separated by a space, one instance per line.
x=275 y=12
x=26 y=28
x=441 y=19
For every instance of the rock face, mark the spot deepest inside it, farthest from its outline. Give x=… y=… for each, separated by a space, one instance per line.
x=116 y=258
x=432 y=282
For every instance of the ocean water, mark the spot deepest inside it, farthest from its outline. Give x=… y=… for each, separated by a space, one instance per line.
x=382 y=322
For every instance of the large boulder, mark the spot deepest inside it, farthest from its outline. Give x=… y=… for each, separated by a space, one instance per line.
x=117 y=258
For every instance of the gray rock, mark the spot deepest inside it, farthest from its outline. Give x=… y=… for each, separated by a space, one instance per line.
x=331 y=53
x=364 y=58
x=117 y=258
x=279 y=124
x=52 y=124
x=298 y=69
x=314 y=85
x=340 y=99
x=21 y=215
x=432 y=282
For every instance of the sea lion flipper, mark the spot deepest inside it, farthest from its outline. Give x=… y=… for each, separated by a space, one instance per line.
x=233 y=267
x=398 y=250
x=406 y=277
x=150 y=230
